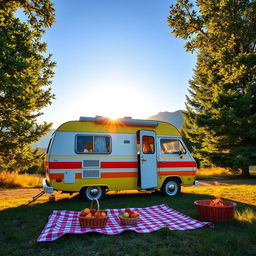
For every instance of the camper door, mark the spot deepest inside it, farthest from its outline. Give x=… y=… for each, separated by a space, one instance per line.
x=148 y=159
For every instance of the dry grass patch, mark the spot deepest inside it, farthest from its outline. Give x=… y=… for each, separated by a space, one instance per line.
x=247 y=215
x=13 y=180
x=213 y=171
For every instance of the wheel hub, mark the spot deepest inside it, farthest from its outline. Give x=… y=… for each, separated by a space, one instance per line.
x=171 y=187
x=94 y=191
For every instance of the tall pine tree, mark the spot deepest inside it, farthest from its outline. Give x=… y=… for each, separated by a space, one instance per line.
x=220 y=119
x=25 y=77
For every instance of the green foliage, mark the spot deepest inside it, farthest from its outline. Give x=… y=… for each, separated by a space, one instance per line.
x=25 y=75
x=220 y=118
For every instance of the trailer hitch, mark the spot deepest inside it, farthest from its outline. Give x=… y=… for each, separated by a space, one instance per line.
x=36 y=197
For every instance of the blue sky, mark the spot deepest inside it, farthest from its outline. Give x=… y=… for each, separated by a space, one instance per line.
x=115 y=58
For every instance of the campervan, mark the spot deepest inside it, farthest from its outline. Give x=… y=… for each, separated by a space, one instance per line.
x=96 y=154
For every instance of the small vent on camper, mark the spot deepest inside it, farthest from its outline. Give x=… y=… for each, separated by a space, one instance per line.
x=91 y=173
x=91 y=163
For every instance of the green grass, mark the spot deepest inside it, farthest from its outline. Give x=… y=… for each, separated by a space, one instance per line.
x=21 y=226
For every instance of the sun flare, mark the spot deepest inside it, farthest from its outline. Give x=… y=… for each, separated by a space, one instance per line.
x=114 y=101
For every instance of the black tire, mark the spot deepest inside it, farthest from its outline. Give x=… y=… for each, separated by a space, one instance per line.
x=171 y=187
x=92 y=192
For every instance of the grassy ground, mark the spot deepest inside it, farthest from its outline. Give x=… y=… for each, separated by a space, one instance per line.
x=20 y=227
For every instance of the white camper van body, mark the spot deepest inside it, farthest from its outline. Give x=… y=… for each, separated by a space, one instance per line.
x=95 y=155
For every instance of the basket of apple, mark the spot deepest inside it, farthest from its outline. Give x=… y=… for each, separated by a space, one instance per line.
x=92 y=218
x=129 y=217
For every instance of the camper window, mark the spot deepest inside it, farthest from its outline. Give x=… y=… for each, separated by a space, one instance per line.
x=148 y=144
x=92 y=144
x=172 y=146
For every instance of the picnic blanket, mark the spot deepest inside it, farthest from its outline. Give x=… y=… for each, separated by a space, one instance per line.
x=151 y=219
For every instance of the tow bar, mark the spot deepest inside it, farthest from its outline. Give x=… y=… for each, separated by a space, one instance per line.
x=36 y=197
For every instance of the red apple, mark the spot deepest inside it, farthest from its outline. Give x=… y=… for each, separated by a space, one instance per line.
x=83 y=214
x=127 y=210
x=93 y=211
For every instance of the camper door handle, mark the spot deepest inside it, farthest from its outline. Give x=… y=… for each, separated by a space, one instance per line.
x=143 y=160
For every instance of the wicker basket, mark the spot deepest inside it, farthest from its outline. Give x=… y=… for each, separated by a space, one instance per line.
x=213 y=213
x=128 y=221
x=93 y=222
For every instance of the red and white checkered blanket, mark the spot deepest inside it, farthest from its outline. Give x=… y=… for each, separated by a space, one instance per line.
x=151 y=219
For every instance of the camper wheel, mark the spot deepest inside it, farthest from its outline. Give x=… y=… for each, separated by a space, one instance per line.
x=92 y=192
x=171 y=187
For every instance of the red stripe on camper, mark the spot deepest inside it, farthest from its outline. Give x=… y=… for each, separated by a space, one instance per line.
x=110 y=165
x=113 y=165
x=65 y=165
x=175 y=164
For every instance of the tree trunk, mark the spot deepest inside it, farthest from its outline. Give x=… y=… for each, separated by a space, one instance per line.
x=245 y=171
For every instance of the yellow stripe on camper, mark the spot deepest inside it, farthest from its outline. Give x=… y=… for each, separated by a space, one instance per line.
x=163 y=128
x=129 y=181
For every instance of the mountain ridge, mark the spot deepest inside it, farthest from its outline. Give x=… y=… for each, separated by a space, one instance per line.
x=175 y=118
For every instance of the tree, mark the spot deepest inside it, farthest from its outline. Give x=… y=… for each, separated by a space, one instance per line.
x=25 y=77
x=220 y=116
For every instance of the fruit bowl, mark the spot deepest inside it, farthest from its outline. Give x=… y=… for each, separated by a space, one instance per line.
x=91 y=218
x=128 y=217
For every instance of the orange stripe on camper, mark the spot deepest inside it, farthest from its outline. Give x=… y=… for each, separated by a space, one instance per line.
x=176 y=164
x=110 y=165
x=180 y=173
x=118 y=174
x=135 y=174
x=56 y=176
x=60 y=176
x=78 y=176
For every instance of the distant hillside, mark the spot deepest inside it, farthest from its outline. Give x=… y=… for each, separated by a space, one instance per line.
x=174 y=118
x=43 y=142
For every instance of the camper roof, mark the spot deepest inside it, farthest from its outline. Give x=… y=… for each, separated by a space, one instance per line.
x=101 y=124
x=122 y=121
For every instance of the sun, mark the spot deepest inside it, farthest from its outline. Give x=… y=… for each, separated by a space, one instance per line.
x=114 y=101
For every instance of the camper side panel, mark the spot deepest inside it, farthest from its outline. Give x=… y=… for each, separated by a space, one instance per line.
x=71 y=169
